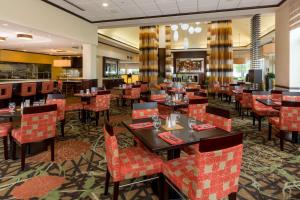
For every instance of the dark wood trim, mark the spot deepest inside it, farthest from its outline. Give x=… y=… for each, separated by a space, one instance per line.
x=198 y=101
x=160 y=16
x=218 y=111
x=290 y=104
x=276 y=91
x=287 y=87
x=66 y=10
x=118 y=41
x=103 y=92
x=118 y=47
x=215 y=144
x=39 y=109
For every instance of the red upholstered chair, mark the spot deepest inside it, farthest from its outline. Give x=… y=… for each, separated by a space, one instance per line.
x=245 y=102
x=196 y=108
x=28 y=90
x=126 y=164
x=144 y=110
x=276 y=95
x=259 y=109
x=144 y=88
x=60 y=101
x=47 y=87
x=5 y=91
x=133 y=94
x=214 y=116
x=289 y=118
x=59 y=87
x=101 y=104
x=190 y=93
x=215 y=89
x=212 y=173
x=158 y=95
x=229 y=91
x=37 y=124
x=5 y=129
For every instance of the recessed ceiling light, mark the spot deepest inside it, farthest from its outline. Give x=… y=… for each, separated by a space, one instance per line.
x=104 y=4
x=24 y=36
x=2 y=39
x=5 y=24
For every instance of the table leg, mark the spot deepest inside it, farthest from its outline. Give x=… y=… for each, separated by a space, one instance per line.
x=173 y=154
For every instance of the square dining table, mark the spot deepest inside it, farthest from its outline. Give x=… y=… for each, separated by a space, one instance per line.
x=174 y=105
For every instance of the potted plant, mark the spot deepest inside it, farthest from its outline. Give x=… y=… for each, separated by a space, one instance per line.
x=270 y=81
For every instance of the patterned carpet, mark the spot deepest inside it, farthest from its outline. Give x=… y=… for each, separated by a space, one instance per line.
x=79 y=169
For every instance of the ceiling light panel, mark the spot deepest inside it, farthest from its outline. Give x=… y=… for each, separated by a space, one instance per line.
x=228 y=4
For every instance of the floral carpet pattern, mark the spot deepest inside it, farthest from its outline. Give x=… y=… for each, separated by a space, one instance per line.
x=78 y=171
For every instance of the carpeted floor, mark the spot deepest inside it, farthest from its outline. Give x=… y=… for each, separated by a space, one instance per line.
x=79 y=169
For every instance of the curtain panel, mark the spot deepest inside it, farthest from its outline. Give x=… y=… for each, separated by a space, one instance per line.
x=168 y=53
x=149 y=53
x=220 y=52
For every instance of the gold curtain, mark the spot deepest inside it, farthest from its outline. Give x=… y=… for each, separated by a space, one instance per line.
x=220 y=52
x=168 y=53
x=149 y=53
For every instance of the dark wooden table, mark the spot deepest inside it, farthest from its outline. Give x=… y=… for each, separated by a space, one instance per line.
x=269 y=102
x=174 y=105
x=149 y=137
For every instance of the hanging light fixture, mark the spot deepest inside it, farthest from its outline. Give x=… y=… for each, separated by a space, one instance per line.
x=198 y=29
x=174 y=27
x=24 y=36
x=197 y=23
x=2 y=39
x=184 y=27
x=185 y=43
x=175 y=36
x=191 y=30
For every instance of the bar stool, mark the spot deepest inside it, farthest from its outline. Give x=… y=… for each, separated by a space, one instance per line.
x=28 y=90
x=5 y=93
x=47 y=88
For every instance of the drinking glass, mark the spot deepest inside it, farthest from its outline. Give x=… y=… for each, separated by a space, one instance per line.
x=191 y=122
x=155 y=117
x=157 y=124
x=12 y=106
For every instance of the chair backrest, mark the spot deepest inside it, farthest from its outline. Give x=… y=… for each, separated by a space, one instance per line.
x=111 y=151
x=144 y=87
x=218 y=166
x=276 y=95
x=218 y=117
x=259 y=95
x=47 y=87
x=60 y=85
x=6 y=91
x=135 y=92
x=290 y=112
x=103 y=100
x=197 y=108
x=144 y=110
x=61 y=107
x=38 y=123
x=247 y=98
x=158 y=95
x=28 y=89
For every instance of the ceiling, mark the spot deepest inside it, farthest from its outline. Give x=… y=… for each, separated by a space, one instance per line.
x=42 y=42
x=93 y=11
x=240 y=27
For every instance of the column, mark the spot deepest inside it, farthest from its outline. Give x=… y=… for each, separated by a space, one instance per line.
x=89 y=56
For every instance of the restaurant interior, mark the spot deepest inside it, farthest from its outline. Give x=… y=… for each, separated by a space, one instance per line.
x=150 y=99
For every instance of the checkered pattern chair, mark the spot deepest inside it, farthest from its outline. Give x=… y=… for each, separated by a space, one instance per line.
x=245 y=102
x=101 y=104
x=37 y=124
x=212 y=173
x=133 y=94
x=259 y=109
x=5 y=129
x=47 y=87
x=214 y=116
x=60 y=102
x=289 y=118
x=215 y=89
x=5 y=91
x=276 y=95
x=126 y=164
x=28 y=90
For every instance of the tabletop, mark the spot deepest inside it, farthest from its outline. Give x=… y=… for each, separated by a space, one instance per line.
x=269 y=102
x=149 y=136
x=173 y=104
x=4 y=113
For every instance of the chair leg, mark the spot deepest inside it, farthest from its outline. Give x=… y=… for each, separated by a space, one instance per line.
x=295 y=137
x=161 y=186
x=165 y=190
x=232 y=196
x=242 y=111
x=97 y=118
x=52 y=141
x=259 y=123
x=23 y=150
x=62 y=127
x=270 y=131
x=106 y=182
x=5 y=145
x=253 y=117
x=281 y=136
x=107 y=115
x=116 y=190
x=13 y=149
